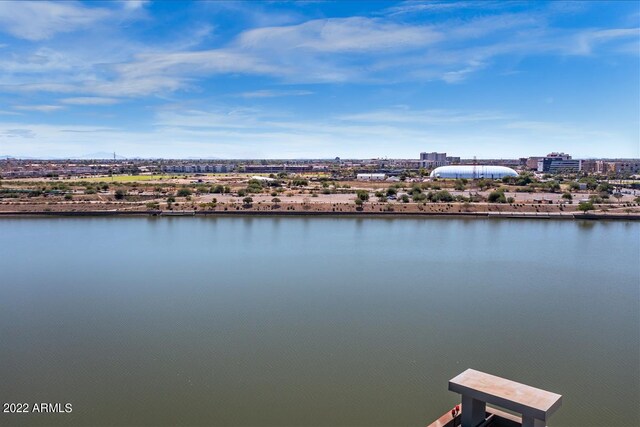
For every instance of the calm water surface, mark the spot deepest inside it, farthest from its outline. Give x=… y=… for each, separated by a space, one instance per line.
x=313 y=321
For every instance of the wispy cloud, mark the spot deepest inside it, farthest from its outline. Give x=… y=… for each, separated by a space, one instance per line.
x=587 y=41
x=135 y=4
x=269 y=93
x=39 y=20
x=431 y=6
x=253 y=133
x=425 y=117
x=42 y=20
x=90 y=100
x=334 y=50
x=39 y=108
x=354 y=34
x=17 y=133
x=347 y=69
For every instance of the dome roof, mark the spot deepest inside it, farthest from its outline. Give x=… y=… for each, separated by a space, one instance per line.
x=472 y=171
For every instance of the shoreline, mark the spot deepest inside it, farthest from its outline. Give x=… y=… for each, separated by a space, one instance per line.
x=353 y=214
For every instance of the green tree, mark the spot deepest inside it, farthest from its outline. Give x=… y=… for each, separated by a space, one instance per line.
x=497 y=196
x=524 y=179
x=586 y=206
x=419 y=197
x=591 y=182
x=484 y=183
x=184 y=192
x=254 y=186
x=552 y=186
x=119 y=194
x=362 y=195
x=573 y=186
x=440 y=196
x=248 y=201
x=605 y=187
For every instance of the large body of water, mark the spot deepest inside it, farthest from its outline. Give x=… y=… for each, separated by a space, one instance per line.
x=313 y=321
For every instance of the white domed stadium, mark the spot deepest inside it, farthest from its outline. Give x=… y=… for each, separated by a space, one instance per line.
x=472 y=172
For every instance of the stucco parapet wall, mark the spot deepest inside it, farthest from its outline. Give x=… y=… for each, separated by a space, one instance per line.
x=526 y=400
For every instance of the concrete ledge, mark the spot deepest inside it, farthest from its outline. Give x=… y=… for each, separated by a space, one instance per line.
x=526 y=400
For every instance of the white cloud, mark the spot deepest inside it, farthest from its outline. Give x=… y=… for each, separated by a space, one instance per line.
x=135 y=4
x=40 y=61
x=90 y=100
x=461 y=74
x=425 y=117
x=17 y=133
x=434 y=6
x=193 y=63
x=254 y=133
x=356 y=50
x=335 y=50
x=587 y=41
x=39 y=108
x=39 y=20
x=267 y=93
x=41 y=87
x=354 y=34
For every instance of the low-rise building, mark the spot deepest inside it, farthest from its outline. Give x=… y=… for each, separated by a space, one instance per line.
x=433 y=160
x=532 y=163
x=631 y=166
x=559 y=163
x=371 y=177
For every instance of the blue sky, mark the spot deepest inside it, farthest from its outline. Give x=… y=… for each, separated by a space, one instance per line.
x=319 y=79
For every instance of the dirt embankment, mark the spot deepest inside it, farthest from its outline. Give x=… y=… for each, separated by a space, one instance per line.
x=319 y=208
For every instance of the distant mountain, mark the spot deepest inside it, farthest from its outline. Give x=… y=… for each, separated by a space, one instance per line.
x=102 y=155
x=92 y=156
x=8 y=157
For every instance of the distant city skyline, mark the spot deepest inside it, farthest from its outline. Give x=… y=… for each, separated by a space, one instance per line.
x=287 y=80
